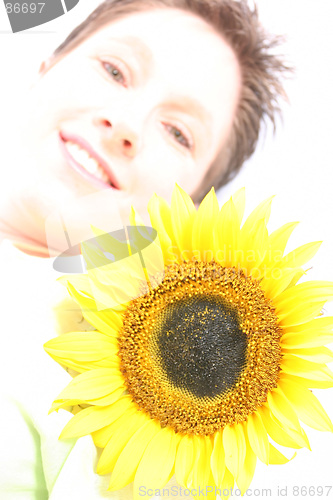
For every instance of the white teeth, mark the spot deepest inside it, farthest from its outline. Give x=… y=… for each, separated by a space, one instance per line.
x=91 y=165
x=103 y=175
x=86 y=161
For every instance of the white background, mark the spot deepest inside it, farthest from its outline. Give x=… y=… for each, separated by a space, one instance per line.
x=296 y=164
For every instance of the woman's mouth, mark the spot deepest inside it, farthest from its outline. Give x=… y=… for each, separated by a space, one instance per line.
x=84 y=160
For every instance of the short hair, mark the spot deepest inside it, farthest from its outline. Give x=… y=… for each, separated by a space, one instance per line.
x=261 y=70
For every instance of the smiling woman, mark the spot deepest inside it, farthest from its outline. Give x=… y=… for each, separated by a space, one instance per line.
x=136 y=113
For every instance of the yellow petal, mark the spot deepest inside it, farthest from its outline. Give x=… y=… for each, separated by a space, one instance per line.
x=276 y=457
x=282 y=410
x=118 y=282
x=82 y=346
x=201 y=471
x=103 y=401
x=93 y=256
x=306 y=405
x=227 y=484
x=253 y=231
x=247 y=472
x=300 y=255
x=64 y=404
x=207 y=476
x=234 y=448
x=157 y=461
x=83 y=366
x=205 y=220
x=300 y=314
x=306 y=369
x=143 y=239
x=94 y=418
x=262 y=211
x=255 y=248
x=297 y=276
x=184 y=459
x=106 y=321
x=182 y=217
x=227 y=235
x=312 y=334
x=277 y=280
x=103 y=436
x=277 y=242
x=308 y=291
x=120 y=443
x=217 y=461
x=160 y=217
x=285 y=436
x=79 y=282
x=319 y=325
x=109 y=243
x=257 y=436
x=136 y=220
x=210 y=488
x=93 y=384
x=296 y=341
x=313 y=384
x=315 y=354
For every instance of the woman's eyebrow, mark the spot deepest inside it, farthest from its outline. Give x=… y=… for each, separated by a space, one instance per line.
x=190 y=105
x=139 y=49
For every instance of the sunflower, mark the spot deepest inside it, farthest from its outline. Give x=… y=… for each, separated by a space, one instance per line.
x=204 y=350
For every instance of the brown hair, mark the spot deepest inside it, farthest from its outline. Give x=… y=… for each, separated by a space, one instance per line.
x=261 y=69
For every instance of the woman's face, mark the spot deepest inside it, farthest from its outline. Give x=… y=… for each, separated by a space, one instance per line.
x=145 y=102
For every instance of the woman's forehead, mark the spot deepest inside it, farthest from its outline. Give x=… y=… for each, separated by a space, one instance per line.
x=160 y=31
x=181 y=50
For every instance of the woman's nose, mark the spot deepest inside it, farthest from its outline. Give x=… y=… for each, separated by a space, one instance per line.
x=118 y=138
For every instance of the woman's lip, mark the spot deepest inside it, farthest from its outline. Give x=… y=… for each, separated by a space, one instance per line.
x=64 y=137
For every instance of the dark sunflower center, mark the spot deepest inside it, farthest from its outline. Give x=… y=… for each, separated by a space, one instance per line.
x=201 y=346
x=202 y=349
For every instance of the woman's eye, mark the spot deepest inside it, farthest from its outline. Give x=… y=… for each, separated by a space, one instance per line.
x=179 y=136
x=115 y=73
